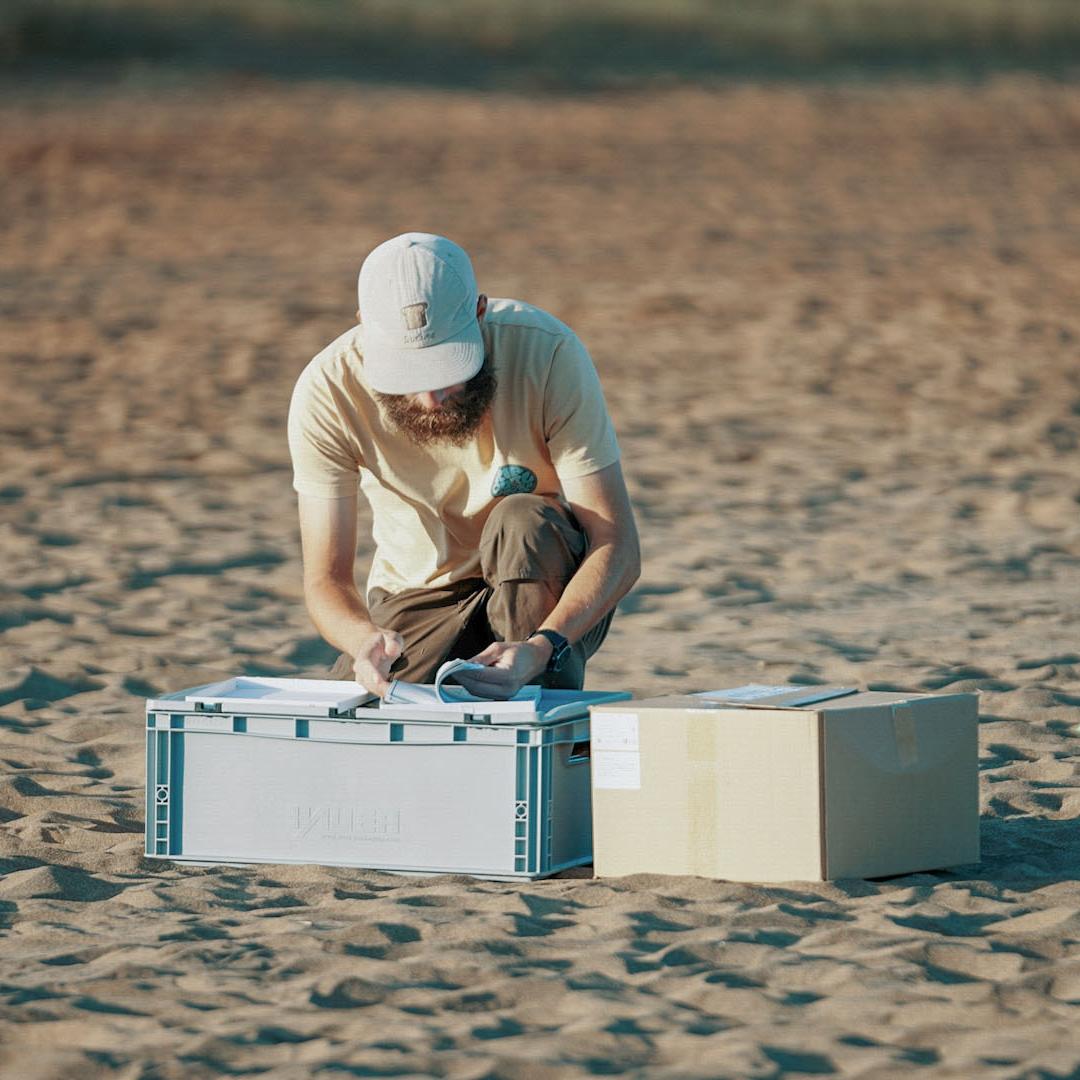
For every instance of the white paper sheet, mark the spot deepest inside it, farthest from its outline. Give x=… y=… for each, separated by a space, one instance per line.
x=437 y=693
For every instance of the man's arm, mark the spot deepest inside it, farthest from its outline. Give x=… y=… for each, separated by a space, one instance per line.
x=611 y=566
x=328 y=540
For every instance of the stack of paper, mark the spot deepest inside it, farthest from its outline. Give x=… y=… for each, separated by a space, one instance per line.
x=786 y=694
x=438 y=693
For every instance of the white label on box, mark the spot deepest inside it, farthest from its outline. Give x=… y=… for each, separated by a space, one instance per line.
x=615 y=745
x=614 y=731
x=616 y=769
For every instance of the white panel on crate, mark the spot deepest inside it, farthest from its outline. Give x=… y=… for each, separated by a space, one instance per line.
x=396 y=806
x=427 y=733
x=284 y=727
x=207 y=722
x=347 y=731
x=491 y=736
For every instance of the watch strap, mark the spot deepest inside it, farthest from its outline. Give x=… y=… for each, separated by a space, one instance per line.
x=560 y=646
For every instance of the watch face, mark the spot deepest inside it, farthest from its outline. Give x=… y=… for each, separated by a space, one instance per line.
x=558 y=654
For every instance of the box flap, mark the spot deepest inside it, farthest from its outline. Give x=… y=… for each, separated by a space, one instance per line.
x=864 y=698
x=785 y=696
x=753 y=696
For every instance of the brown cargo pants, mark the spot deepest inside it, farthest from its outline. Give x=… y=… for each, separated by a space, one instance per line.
x=530 y=547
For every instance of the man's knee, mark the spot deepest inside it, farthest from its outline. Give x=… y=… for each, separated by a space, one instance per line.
x=519 y=515
x=530 y=538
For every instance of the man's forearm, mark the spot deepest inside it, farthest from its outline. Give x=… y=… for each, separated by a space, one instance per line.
x=338 y=613
x=604 y=577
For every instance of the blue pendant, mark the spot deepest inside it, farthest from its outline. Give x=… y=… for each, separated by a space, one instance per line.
x=513 y=480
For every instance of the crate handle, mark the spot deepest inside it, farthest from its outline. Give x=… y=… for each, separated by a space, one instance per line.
x=579 y=752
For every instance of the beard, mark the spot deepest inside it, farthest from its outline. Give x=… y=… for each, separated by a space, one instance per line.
x=455 y=423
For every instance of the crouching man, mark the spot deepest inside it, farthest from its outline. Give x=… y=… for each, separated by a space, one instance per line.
x=478 y=432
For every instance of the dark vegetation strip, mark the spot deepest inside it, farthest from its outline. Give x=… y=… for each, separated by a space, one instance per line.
x=557 y=44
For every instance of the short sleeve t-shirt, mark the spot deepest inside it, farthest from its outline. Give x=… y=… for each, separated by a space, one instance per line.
x=548 y=422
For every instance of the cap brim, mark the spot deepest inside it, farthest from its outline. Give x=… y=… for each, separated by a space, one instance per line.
x=391 y=370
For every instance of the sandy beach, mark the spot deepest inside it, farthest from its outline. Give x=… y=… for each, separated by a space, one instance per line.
x=839 y=333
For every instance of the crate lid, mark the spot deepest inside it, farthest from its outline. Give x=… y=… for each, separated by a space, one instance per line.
x=256 y=695
x=261 y=694
x=551 y=707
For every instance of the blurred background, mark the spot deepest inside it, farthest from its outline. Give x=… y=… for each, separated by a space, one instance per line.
x=824 y=252
x=826 y=256
x=552 y=43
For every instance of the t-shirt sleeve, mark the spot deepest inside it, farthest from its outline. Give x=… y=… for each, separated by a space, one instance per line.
x=577 y=427
x=324 y=464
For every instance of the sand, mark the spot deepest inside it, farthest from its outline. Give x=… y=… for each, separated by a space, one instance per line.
x=839 y=333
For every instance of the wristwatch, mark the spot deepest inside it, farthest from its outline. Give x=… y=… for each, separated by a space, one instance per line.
x=560 y=648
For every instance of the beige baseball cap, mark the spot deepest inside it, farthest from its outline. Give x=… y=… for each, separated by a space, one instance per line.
x=417 y=296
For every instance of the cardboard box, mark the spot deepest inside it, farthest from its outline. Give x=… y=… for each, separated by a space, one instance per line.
x=863 y=785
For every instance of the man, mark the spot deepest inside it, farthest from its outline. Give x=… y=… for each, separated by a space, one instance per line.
x=478 y=432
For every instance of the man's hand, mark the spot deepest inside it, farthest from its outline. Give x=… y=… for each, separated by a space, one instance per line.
x=508 y=666
x=373 y=657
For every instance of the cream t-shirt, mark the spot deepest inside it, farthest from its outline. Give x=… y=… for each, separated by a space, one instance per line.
x=548 y=421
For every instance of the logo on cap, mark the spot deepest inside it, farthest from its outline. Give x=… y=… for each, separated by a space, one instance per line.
x=418 y=299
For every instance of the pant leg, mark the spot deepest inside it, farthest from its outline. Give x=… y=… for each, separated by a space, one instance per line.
x=530 y=548
x=437 y=624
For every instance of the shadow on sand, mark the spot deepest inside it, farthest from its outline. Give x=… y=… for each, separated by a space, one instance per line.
x=1027 y=852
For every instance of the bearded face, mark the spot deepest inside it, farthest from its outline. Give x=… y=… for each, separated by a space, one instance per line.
x=454 y=422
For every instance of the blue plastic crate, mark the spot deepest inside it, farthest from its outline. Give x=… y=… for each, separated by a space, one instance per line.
x=301 y=771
